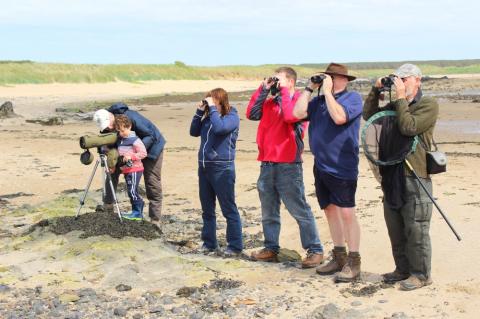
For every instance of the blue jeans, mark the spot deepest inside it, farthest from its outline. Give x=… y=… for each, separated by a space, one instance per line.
x=217 y=180
x=284 y=181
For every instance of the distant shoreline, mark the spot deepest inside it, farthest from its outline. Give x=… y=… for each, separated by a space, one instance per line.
x=27 y=72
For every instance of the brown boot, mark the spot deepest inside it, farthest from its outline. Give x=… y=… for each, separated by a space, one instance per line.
x=312 y=260
x=351 y=270
x=264 y=255
x=339 y=258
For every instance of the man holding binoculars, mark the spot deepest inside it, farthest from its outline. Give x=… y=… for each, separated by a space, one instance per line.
x=280 y=146
x=334 y=117
x=409 y=211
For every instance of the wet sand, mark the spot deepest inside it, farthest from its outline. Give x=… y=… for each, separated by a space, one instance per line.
x=41 y=162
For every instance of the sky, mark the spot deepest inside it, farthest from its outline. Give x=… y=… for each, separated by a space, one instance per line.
x=208 y=32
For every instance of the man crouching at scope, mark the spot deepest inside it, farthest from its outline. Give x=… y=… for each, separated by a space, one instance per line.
x=407 y=208
x=154 y=143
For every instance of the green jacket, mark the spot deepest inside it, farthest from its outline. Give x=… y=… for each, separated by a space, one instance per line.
x=418 y=118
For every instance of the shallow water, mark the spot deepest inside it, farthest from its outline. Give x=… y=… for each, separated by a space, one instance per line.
x=459 y=126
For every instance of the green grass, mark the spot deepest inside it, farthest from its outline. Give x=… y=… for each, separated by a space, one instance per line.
x=18 y=72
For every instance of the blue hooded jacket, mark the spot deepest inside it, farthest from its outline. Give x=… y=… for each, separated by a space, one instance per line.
x=144 y=128
x=218 y=135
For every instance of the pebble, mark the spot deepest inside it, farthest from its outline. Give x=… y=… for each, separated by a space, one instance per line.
x=356 y=303
x=54 y=314
x=137 y=316
x=382 y=301
x=197 y=315
x=166 y=300
x=120 y=312
x=158 y=310
x=177 y=310
x=4 y=288
x=87 y=292
x=73 y=315
x=122 y=287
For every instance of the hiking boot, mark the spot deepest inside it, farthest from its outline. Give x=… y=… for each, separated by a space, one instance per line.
x=230 y=253
x=393 y=277
x=107 y=208
x=265 y=255
x=132 y=215
x=312 y=260
x=351 y=271
x=413 y=282
x=339 y=258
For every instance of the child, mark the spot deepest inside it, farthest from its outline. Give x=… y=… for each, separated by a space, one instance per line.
x=132 y=150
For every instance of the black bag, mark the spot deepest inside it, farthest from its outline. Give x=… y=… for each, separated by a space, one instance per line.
x=436 y=160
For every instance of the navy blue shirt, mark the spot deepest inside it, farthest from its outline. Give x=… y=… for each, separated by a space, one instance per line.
x=335 y=147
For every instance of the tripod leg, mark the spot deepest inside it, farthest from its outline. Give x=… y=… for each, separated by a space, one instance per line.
x=110 y=183
x=433 y=201
x=82 y=201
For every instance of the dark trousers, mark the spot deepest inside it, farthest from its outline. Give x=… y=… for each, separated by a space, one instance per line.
x=408 y=229
x=217 y=180
x=133 y=180
x=153 y=186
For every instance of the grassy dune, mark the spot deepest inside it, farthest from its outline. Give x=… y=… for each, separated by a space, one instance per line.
x=18 y=72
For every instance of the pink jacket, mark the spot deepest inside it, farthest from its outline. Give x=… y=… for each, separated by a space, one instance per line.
x=132 y=146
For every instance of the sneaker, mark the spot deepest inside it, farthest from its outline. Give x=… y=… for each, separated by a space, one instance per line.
x=312 y=260
x=413 y=282
x=132 y=215
x=394 y=276
x=264 y=254
x=230 y=253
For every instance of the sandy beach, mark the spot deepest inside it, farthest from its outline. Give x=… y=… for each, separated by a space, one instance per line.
x=41 y=177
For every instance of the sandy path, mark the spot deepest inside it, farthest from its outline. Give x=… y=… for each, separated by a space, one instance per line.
x=31 y=100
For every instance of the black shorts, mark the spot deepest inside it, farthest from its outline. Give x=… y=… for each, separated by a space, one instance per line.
x=333 y=190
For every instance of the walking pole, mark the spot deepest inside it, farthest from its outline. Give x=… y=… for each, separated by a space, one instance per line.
x=82 y=201
x=433 y=200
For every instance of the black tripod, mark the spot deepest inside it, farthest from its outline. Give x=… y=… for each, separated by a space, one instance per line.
x=102 y=160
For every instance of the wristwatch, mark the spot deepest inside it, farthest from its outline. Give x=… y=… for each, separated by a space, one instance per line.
x=308 y=89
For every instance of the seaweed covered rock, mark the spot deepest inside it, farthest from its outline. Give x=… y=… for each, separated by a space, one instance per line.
x=6 y=110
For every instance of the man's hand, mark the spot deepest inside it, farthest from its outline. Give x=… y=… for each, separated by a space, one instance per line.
x=268 y=82
x=400 y=88
x=327 y=84
x=314 y=86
